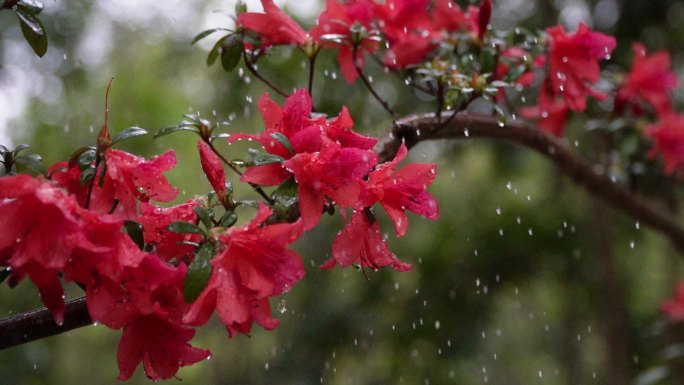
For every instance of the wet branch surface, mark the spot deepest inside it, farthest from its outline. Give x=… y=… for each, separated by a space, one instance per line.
x=416 y=128
x=37 y=324
x=411 y=130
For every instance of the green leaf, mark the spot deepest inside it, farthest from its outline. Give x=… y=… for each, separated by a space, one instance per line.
x=231 y=52
x=204 y=34
x=282 y=139
x=33 y=30
x=87 y=175
x=128 y=133
x=4 y=273
x=198 y=273
x=33 y=6
x=20 y=148
x=87 y=158
x=185 y=228
x=205 y=216
x=215 y=50
x=135 y=231
x=74 y=158
x=30 y=164
x=285 y=199
x=263 y=159
x=168 y=130
x=228 y=219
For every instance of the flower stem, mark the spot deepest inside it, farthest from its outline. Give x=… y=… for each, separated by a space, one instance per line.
x=250 y=66
x=230 y=164
x=365 y=81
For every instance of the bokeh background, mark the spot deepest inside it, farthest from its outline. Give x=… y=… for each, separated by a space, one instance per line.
x=524 y=279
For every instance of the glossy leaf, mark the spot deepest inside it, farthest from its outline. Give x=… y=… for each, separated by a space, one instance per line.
x=228 y=219
x=282 y=139
x=135 y=232
x=205 y=215
x=263 y=159
x=33 y=30
x=185 y=228
x=128 y=133
x=215 y=50
x=33 y=6
x=30 y=164
x=231 y=52
x=168 y=130
x=4 y=273
x=204 y=34
x=198 y=273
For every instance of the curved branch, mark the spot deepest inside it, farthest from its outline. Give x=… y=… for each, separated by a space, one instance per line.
x=37 y=324
x=417 y=128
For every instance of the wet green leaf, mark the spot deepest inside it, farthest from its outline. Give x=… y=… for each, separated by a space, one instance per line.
x=231 y=52
x=168 y=130
x=30 y=164
x=87 y=158
x=135 y=231
x=215 y=51
x=204 y=34
x=33 y=6
x=185 y=228
x=198 y=273
x=263 y=159
x=33 y=30
x=228 y=219
x=205 y=215
x=128 y=133
x=282 y=139
x=4 y=273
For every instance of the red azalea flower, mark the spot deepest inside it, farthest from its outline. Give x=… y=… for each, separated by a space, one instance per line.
x=274 y=26
x=161 y=345
x=337 y=19
x=398 y=191
x=673 y=308
x=668 y=141
x=573 y=64
x=448 y=16
x=305 y=134
x=40 y=227
x=361 y=242
x=551 y=115
x=484 y=14
x=130 y=178
x=167 y=244
x=649 y=81
x=213 y=169
x=408 y=29
x=253 y=266
x=152 y=287
x=334 y=172
x=102 y=250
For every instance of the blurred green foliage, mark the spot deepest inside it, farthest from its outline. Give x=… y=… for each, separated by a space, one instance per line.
x=518 y=282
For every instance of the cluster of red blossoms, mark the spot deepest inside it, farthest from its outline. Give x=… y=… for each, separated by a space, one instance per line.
x=412 y=29
x=156 y=273
x=58 y=228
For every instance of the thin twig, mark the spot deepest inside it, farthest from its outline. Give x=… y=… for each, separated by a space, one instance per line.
x=365 y=81
x=230 y=164
x=253 y=70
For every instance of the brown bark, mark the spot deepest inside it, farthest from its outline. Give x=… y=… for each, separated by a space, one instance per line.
x=417 y=128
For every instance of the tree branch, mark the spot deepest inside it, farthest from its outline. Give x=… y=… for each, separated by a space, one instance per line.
x=417 y=128
x=37 y=324
x=411 y=130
